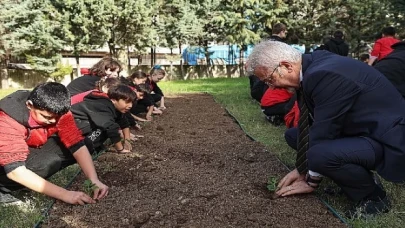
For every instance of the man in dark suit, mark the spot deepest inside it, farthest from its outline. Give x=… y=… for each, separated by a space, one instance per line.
x=358 y=123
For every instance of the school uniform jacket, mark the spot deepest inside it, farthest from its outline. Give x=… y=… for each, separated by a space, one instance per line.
x=94 y=110
x=154 y=87
x=18 y=131
x=393 y=67
x=347 y=98
x=82 y=84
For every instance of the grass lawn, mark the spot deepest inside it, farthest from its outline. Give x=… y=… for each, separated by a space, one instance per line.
x=234 y=95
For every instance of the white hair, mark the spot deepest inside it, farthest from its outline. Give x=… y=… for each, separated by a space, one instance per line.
x=270 y=53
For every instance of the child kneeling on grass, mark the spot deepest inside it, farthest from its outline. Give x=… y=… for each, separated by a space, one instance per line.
x=38 y=137
x=99 y=113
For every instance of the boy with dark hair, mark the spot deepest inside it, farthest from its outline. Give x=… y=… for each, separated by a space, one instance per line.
x=278 y=32
x=144 y=103
x=99 y=114
x=38 y=137
x=364 y=58
x=337 y=44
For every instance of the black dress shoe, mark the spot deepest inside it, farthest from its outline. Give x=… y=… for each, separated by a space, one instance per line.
x=368 y=208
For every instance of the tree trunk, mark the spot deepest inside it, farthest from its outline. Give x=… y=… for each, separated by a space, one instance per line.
x=72 y=76
x=207 y=59
x=123 y=58
x=77 y=57
x=241 y=61
x=139 y=59
x=181 y=61
x=151 y=57
x=4 y=73
x=171 y=70
x=129 y=61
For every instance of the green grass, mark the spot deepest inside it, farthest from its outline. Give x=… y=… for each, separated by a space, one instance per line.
x=5 y=92
x=234 y=95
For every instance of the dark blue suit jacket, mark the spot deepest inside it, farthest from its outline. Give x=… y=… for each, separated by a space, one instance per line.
x=348 y=98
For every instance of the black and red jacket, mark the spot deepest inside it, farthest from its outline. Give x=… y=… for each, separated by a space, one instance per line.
x=82 y=84
x=154 y=87
x=275 y=96
x=18 y=131
x=94 y=110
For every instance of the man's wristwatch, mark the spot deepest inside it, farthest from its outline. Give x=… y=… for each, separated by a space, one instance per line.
x=313 y=181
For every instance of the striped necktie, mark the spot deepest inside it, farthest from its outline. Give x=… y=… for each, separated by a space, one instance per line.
x=303 y=137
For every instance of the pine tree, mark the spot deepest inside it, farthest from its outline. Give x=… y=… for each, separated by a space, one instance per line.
x=86 y=24
x=34 y=32
x=179 y=25
x=132 y=27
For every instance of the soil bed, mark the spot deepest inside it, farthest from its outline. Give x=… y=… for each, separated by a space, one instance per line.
x=194 y=168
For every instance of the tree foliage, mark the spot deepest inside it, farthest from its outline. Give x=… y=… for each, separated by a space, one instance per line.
x=85 y=22
x=34 y=31
x=38 y=30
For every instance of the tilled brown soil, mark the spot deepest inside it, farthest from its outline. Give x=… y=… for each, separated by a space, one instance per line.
x=194 y=168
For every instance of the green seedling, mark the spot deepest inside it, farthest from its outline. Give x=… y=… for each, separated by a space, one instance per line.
x=272 y=187
x=89 y=187
x=272 y=184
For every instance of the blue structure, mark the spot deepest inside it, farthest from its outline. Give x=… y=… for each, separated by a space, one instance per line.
x=219 y=54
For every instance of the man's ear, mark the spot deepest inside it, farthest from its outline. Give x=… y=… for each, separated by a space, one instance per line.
x=29 y=104
x=287 y=65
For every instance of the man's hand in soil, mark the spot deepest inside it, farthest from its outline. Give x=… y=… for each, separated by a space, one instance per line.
x=298 y=187
x=81 y=198
x=293 y=176
x=101 y=191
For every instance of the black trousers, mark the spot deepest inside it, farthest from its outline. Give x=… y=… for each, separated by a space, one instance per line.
x=275 y=113
x=131 y=120
x=52 y=157
x=139 y=108
x=277 y=109
x=156 y=97
x=347 y=161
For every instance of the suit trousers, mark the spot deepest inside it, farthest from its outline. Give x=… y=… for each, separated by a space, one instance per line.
x=347 y=161
x=52 y=157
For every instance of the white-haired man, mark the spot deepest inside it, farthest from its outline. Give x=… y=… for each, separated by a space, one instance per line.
x=356 y=118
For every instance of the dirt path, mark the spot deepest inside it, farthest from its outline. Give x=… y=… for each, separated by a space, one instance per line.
x=194 y=168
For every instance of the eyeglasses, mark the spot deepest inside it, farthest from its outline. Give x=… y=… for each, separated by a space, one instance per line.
x=269 y=80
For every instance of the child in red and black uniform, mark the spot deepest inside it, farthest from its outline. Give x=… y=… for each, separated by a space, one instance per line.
x=38 y=137
x=382 y=47
x=144 y=104
x=273 y=104
x=156 y=74
x=99 y=113
x=106 y=68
